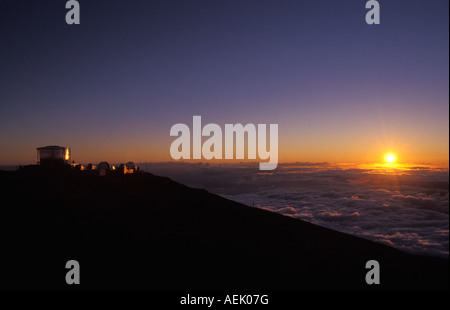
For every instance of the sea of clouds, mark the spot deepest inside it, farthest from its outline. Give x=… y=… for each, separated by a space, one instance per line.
x=404 y=208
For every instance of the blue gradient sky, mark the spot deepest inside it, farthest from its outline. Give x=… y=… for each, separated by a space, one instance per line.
x=112 y=87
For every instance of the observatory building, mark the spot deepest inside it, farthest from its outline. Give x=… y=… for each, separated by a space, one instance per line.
x=53 y=154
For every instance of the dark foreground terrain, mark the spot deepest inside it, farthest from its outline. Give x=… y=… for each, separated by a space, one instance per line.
x=148 y=232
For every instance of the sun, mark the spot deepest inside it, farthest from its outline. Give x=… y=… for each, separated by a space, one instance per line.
x=390 y=158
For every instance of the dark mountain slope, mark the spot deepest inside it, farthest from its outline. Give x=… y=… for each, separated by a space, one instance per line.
x=148 y=232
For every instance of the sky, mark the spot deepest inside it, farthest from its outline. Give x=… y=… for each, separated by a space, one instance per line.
x=112 y=87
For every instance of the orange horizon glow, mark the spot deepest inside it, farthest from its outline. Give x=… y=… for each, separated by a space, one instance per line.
x=388 y=161
x=289 y=151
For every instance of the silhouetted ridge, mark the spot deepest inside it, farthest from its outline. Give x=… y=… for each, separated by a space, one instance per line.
x=144 y=231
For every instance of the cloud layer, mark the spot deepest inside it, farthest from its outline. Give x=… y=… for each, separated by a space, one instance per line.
x=406 y=208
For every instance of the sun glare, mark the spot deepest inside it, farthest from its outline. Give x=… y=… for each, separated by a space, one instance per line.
x=390 y=158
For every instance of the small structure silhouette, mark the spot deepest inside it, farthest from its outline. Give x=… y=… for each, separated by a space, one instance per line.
x=53 y=155
x=55 y=158
x=90 y=167
x=103 y=167
x=131 y=167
